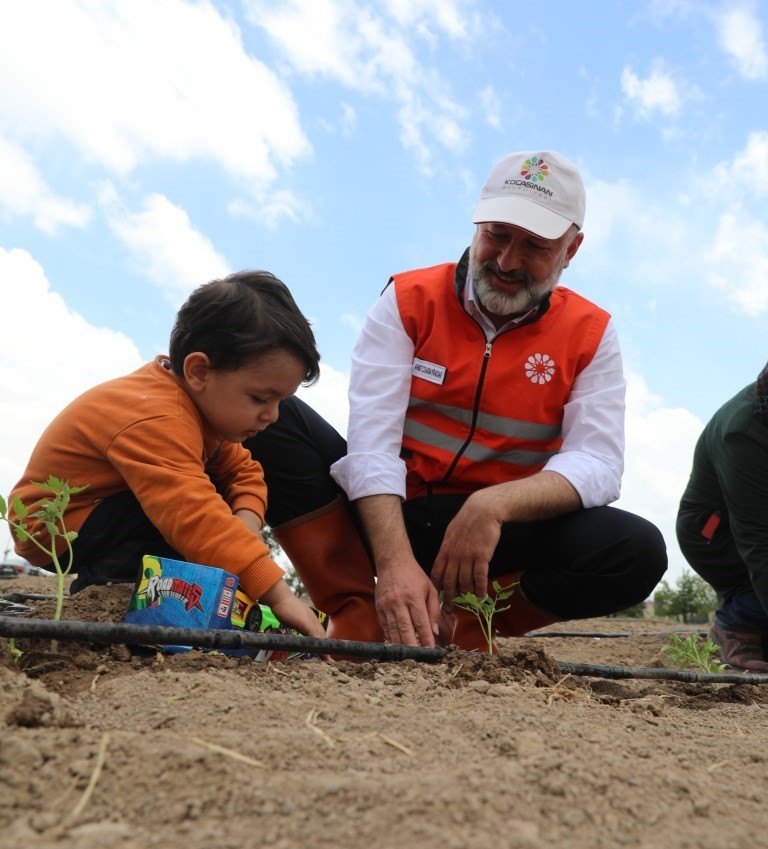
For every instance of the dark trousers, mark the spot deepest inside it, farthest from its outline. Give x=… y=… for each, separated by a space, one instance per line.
x=587 y=563
x=718 y=562
x=112 y=542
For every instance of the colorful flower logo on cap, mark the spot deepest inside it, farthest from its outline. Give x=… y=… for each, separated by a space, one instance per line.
x=534 y=169
x=539 y=368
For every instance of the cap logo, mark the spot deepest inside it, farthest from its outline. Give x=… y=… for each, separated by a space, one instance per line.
x=534 y=169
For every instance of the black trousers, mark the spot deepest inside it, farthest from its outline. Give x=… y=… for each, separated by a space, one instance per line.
x=587 y=563
x=112 y=542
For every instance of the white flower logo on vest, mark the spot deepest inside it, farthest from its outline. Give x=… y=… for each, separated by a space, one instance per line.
x=540 y=368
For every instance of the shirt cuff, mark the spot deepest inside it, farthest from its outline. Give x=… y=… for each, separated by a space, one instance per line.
x=360 y=475
x=595 y=482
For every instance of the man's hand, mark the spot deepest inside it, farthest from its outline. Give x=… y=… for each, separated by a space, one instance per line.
x=407 y=604
x=470 y=540
x=406 y=600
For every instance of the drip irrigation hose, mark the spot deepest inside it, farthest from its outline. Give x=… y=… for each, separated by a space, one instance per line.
x=601 y=636
x=214 y=638
x=22 y=597
x=691 y=675
x=12 y=608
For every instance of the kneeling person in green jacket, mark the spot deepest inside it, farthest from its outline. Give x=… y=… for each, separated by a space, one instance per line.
x=722 y=524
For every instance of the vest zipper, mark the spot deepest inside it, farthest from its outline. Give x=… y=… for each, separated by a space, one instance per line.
x=475 y=411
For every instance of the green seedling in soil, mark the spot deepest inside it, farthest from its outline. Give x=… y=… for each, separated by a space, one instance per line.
x=486 y=608
x=16 y=652
x=684 y=654
x=51 y=512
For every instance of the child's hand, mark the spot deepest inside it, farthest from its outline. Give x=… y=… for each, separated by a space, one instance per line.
x=291 y=611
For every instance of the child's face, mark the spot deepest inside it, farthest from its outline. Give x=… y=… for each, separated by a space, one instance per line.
x=240 y=403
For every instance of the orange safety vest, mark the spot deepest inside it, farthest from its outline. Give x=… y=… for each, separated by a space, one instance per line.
x=482 y=413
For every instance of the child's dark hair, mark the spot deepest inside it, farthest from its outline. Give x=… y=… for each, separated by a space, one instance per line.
x=239 y=317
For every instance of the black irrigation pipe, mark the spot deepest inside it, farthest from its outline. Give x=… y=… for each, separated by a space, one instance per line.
x=600 y=635
x=690 y=675
x=22 y=597
x=214 y=638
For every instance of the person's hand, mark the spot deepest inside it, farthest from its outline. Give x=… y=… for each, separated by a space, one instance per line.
x=407 y=604
x=470 y=540
x=292 y=611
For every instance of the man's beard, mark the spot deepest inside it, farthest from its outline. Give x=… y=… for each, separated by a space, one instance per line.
x=502 y=303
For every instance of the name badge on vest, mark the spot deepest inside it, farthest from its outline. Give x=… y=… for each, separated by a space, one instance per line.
x=428 y=371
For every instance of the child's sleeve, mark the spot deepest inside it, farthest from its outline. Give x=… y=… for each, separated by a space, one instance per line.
x=162 y=461
x=240 y=479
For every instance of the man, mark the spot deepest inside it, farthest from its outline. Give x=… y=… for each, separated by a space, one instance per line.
x=486 y=436
x=722 y=524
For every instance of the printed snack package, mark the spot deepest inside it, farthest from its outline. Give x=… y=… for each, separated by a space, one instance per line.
x=178 y=594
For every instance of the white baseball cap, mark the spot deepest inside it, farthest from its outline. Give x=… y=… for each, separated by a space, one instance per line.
x=540 y=192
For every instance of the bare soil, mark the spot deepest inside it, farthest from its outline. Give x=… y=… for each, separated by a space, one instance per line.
x=127 y=748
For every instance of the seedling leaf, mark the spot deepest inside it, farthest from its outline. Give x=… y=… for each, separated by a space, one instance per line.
x=486 y=608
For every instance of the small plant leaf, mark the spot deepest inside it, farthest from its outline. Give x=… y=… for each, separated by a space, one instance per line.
x=20 y=508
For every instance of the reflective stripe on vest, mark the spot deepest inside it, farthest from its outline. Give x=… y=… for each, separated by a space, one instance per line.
x=474 y=451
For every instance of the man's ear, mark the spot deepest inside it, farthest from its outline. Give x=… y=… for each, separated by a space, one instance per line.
x=197 y=367
x=570 y=251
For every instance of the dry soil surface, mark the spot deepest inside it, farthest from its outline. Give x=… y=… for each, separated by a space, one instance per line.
x=110 y=746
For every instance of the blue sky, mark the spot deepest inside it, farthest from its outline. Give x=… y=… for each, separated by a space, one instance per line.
x=147 y=146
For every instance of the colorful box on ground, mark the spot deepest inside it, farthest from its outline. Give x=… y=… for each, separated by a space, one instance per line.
x=177 y=594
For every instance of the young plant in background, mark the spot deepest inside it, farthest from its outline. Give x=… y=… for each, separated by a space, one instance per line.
x=51 y=511
x=486 y=608
x=683 y=654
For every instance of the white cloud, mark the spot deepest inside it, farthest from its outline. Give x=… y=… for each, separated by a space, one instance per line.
x=713 y=212
x=352 y=321
x=659 y=451
x=328 y=397
x=271 y=208
x=166 y=247
x=135 y=80
x=370 y=53
x=735 y=259
x=738 y=262
x=741 y=36
x=656 y=93
x=748 y=169
x=49 y=356
x=24 y=192
x=489 y=103
x=348 y=119
x=623 y=218
x=446 y=15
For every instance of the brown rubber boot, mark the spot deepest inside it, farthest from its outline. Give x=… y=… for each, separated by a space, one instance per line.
x=522 y=616
x=326 y=551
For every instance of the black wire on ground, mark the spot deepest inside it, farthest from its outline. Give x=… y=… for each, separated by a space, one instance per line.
x=600 y=635
x=214 y=638
x=691 y=675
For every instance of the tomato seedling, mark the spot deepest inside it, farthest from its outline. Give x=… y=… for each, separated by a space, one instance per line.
x=486 y=608
x=51 y=512
x=683 y=654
